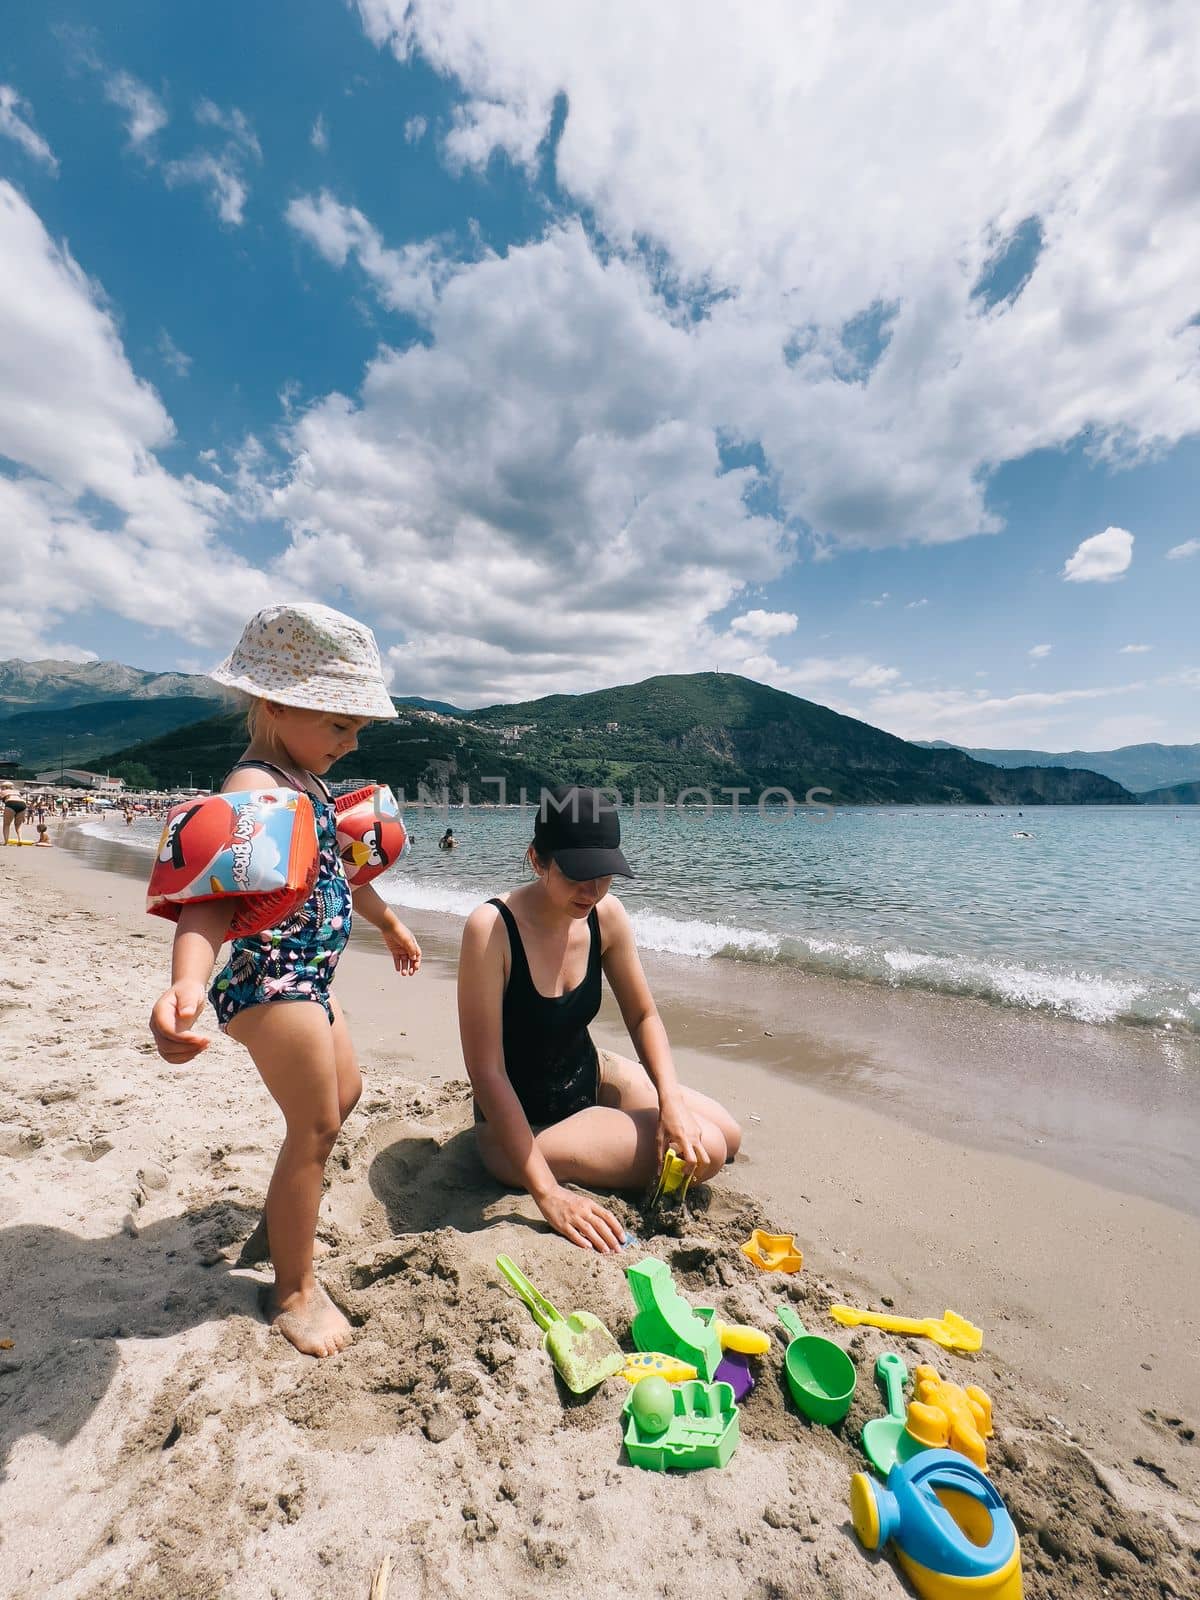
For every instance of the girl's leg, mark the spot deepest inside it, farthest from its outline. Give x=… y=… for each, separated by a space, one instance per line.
x=257 y=1247
x=293 y=1050
x=349 y=1078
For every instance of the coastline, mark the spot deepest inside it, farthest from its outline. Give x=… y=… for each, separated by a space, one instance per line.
x=1087 y=1293
x=1114 y=1103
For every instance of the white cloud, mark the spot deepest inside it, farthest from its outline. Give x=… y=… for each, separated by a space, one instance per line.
x=179 y=362
x=93 y=519
x=879 y=600
x=405 y=280
x=319 y=137
x=545 y=428
x=1180 y=552
x=1101 y=558
x=145 y=113
x=414 y=130
x=915 y=605
x=1110 y=733
x=1038 y=652
x=1135 y=649
x=223 y=172
x=753 y=160
x=15 y=126
x=974 y=717
x=1185 y=678
x=765 y=624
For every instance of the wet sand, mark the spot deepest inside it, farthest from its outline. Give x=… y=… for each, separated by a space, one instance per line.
x=158 y=1440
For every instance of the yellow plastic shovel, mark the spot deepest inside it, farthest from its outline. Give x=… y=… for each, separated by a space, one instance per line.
x=951 y=1331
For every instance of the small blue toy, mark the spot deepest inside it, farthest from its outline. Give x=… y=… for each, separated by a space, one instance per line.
x=953 y=1536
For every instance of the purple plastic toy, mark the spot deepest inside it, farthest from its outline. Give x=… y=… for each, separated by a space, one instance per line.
x=734 y=1369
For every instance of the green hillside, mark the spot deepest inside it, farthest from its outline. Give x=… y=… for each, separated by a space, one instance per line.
x=1138 y=767
x=85 y=735
x=705 y=730
x=1178 y=794
x=419 y=748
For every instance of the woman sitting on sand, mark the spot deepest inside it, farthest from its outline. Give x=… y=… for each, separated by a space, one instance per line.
x=550 y=1108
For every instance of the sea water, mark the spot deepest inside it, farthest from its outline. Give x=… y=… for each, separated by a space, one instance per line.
x=1095 y=916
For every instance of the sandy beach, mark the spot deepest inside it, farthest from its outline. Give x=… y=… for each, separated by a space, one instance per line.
x=158 y=1440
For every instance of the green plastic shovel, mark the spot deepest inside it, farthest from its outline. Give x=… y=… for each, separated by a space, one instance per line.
x=881 y=1436
x=580 y=1346
x=819 y=1373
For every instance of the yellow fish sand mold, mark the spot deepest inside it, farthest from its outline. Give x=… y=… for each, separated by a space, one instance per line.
x=950 y=1330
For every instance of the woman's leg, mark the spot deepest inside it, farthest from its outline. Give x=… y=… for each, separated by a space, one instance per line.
x=7 y=824
x=627 y=1084
x=601 y=1148
x=612 y=1145
x=292 y=1047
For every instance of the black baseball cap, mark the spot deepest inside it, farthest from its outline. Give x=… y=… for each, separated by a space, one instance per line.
x=580 y=829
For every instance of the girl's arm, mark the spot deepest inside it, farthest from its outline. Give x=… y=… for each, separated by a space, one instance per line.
x=677 y=1126
x=577 y=1217
x=404 y=949
x=199 y=935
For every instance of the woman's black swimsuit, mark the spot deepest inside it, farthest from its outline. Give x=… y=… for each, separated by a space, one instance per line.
x=548 y=1053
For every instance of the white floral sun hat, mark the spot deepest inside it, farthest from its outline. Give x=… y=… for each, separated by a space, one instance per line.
x=312 y=656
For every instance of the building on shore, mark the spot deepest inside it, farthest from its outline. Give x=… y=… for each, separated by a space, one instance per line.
x=79 y=778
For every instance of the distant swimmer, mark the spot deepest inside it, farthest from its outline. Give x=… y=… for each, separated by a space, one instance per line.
x=448 y=841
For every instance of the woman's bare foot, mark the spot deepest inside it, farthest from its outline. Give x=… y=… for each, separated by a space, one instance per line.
x=311 y=1322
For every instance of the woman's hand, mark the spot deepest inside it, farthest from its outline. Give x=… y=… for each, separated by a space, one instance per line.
x=679 y=1130
x=402 y=947
x=172 y=1019
x=582 y=1220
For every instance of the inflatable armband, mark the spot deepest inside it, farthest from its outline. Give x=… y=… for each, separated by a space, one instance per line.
x=370 y=833
x=256 y=845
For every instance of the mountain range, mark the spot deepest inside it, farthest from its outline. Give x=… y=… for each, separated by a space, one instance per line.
x=29 y=685
x=1137 y=766
x=710 y=731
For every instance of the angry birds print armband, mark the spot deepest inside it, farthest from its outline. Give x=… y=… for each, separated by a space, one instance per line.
x=371 y=836
x=257 y=846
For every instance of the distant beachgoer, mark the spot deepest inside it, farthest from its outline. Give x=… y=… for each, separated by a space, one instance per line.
x=14 y=811
x=43 y=838
x=448 y=841
x=314 y=679
x=551 y=1109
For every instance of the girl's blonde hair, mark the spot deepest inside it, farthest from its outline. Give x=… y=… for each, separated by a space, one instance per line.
x=260 y=727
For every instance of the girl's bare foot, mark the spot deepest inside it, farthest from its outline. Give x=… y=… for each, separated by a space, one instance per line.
x=311 y=1322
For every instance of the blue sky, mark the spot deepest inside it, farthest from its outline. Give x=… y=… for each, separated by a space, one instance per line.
x=862 y=361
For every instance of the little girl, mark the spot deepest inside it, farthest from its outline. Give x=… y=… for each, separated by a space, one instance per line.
x=314 y=680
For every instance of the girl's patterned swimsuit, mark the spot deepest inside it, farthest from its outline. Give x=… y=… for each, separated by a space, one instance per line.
x=296 y=960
